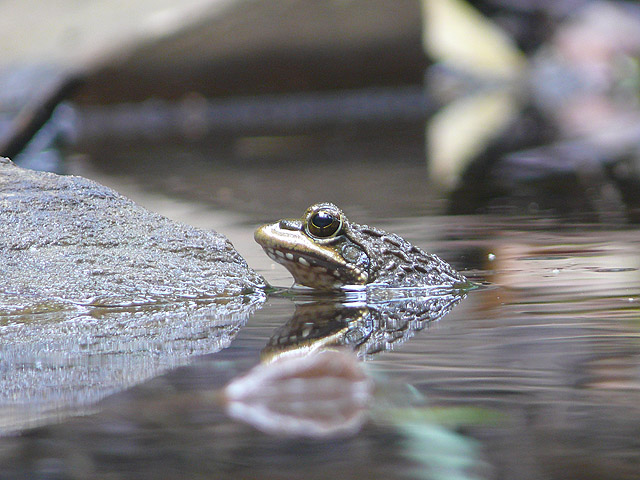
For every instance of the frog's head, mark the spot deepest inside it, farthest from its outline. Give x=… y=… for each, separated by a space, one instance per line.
x=317 y=249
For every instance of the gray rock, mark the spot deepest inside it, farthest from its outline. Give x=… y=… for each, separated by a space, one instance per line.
x=98 y=294
x=69 y=238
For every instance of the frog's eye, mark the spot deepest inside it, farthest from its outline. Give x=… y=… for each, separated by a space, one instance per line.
x=324 y=224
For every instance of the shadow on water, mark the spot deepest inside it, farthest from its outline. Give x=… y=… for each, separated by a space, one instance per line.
x=375 y=323
x=315 y=397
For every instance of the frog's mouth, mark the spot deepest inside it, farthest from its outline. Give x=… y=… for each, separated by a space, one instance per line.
x=311 y=263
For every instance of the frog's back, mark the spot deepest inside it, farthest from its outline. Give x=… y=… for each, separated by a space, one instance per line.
x=396 y=262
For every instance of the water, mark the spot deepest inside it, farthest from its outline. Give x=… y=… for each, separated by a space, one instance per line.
x=534 y=375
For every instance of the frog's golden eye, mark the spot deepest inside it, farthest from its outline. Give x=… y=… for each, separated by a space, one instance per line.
x=324 y=223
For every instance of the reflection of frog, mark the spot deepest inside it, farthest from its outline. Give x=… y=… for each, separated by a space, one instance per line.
x=366 y=327
x=324 y=250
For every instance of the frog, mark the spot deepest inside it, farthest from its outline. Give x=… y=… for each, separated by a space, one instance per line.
x=325 y=251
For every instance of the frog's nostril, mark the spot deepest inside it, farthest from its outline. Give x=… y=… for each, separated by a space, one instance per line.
x=290 y=224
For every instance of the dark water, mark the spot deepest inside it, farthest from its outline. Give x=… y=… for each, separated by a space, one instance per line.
x=534 y=376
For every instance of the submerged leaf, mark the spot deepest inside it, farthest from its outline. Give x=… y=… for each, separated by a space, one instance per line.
x=322 y=394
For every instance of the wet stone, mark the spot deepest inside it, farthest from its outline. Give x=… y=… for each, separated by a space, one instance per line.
x=69 y=238
x=98 y=294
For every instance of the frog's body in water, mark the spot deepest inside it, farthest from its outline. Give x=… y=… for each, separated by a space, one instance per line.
x=324 y=250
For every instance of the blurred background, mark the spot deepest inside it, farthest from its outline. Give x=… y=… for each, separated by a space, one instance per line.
x=422 y=106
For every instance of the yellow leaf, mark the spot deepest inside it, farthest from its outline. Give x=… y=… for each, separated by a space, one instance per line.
x=462 y=129
x=457 y=34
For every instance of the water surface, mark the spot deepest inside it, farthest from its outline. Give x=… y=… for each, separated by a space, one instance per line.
x=534 y=375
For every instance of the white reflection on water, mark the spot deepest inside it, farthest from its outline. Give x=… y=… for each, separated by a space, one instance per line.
x=57 y=361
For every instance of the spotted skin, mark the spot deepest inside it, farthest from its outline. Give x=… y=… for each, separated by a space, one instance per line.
x=325 y=251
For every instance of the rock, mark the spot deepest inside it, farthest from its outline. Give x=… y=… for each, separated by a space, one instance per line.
x=72 y=239
x=98 y=294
